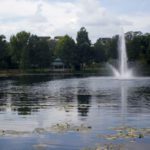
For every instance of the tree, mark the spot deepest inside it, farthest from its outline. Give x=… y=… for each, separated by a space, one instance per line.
x=148 y=54
x=39 y=52
x=82 y=37
x=66 y=50
x=101 y=48
x=4 y=53
x=84 y=52
x=130 y=35
x=113 y=48
x=29 y=51
x=19 y=52
x=135 y=48
x=52 y=47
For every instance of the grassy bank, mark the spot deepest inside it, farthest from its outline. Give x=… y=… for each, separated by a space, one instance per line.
x=88 y=70
x=101 y=70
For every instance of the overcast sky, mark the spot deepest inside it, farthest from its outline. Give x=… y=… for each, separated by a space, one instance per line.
x=59 y=17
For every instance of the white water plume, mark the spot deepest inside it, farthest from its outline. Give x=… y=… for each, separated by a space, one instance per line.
x=123 y=72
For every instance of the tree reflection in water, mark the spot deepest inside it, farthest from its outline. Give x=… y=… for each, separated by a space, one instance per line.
x=83 y=104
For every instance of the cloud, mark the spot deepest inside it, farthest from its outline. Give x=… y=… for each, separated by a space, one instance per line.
x=140 y=22
x=38 y=17
x=99 y=20
x=52 y=18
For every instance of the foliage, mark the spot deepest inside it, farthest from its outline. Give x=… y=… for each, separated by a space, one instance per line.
x=18 y=45
x=29 y=51
x=4 y=52
x=39 y=52
x=82 y=37
x=138 y=46
x=113 y=48
x=101 y=48
x=66 y=50
x=25 y=51
x=83 y=48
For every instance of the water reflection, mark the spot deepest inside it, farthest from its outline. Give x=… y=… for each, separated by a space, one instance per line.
x=124 y=99
x=98 y=103
x=75 y=100
x=84 y=103
x=22 y=103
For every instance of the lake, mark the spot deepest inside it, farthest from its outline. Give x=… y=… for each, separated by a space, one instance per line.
x=74 y=113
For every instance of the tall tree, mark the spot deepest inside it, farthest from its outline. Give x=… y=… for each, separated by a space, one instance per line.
x=66 y=50
x=19 y=52
x=82 y=37
x=113 y=48
x=39 y=52
x=148 y=54
x=4 y=53
x=101 y=49
x=83 y=47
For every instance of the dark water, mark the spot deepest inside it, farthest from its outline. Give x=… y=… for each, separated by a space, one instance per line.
x=31 y=102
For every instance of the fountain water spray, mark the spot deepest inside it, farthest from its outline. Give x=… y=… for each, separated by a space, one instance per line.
x=123 y=72
x=122 y=55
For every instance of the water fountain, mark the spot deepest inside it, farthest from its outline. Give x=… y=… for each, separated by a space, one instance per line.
x=123 y=72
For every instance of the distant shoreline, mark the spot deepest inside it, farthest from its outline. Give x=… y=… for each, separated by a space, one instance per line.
x=97 y=71
x=17 y=73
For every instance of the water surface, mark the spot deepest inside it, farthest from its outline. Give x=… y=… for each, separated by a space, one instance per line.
x=29 y=103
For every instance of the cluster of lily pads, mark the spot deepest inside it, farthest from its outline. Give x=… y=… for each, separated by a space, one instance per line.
x=123 y=132
x=65 y=127
x=126 y=132
x=106 y=147
x=56 y=128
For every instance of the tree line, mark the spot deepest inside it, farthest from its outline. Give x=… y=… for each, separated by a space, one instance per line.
x=27 y=51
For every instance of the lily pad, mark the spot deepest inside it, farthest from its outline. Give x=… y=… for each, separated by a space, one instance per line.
x=126 y=132
x=65 y=127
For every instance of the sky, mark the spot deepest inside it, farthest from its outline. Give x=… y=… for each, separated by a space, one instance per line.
x=101 y=18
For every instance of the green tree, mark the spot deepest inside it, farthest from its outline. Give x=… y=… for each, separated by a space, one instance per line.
x=29 y=51
x=66 y=50
x=84 y=53
x=101 y=48
x=148 y=54
x=134 y=48
x=82 y=37
x=4 y=53
x=19 y=52
x=52 y=47
x=39 y=52
x=113 y=48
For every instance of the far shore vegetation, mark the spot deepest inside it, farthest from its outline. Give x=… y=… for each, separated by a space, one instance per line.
x=25 y=52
